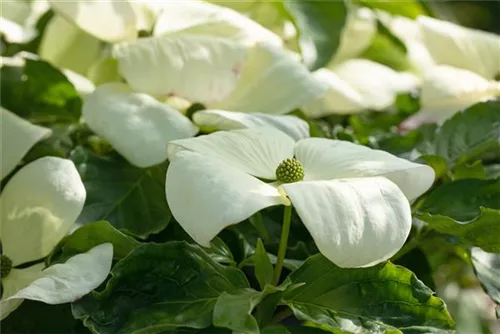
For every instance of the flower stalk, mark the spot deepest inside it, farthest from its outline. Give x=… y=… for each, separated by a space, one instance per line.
x=285 y=230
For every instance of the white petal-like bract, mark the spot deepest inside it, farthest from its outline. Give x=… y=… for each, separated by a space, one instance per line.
x=66 y=46
x=272 y=81
x=447 y=90
x=470 y=49
x=354 y=222
x=109 y=21
x=17 y=137
x=254 y=151
x=232 y=120
x=17 y=280
x=206 y=195
x=135 y=124
x=200 y=69
x=203 y=18
x=325 y=159
x=70 y=281
x=357 y=85
x=376 y=83
x=357 y=34
x=40 y=203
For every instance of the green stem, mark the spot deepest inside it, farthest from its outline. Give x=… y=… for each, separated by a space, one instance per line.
x=285 y=229
x=258 y=223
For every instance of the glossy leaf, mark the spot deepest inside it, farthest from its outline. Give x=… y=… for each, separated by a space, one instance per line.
x=319 y=24
x=487 y=268
x=90 y=235
x=471 y=133
x=130 y=198
x=39 y=92
x=365 y=300
x=158 y=288
x=462 y=199
x=482 y=231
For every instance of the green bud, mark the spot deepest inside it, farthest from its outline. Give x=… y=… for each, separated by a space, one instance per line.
x=5 y=266
x=290 y=170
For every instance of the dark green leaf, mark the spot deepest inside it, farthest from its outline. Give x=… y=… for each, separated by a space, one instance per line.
x=157 y=288
x=130 y=198
x=40 y=318
x=487 y=268
x=263 y=267
x=319 y=24
x=90 y=235
x=220 y=252
x=482 y=231
x=470 y=134
x=376 y=299
x=280 y=329
x=408 y=8
x=417 y=262
x=234 y=311
x=462 y=199
x=40 y=93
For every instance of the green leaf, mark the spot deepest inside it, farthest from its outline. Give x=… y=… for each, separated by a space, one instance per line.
x=382 y=298
x=132 y=199
x=40 y=93
x=462 y=199
x=470 y=171
x=437 y=162
x=482 y=231
x=263 y=267
x=90 y=235
x=234 y=311
x=469 y=134
x=281 y=329
x=408 y=8
x=220 y=252
x=487 y=269
x=319 y=24
x=157 y=288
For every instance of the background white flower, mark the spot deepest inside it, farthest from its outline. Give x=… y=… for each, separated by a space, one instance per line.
x=352 y=199
x=40 y=204
x=467 y=63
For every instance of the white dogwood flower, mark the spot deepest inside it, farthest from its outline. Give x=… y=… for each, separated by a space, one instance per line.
x=352 y=199
x=40 y=204
x=468 y=65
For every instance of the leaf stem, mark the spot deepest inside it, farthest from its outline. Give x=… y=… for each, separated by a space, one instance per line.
x=285 y=229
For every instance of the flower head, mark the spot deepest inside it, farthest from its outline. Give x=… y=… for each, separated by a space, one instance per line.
x=352 y=199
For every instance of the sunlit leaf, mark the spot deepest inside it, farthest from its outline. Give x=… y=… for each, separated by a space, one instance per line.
x=368 y=300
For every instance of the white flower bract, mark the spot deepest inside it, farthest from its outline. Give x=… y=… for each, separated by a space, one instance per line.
x=353 y=200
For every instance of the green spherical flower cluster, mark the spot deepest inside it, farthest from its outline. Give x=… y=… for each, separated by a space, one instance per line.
x=5 y=266
x=289 y=170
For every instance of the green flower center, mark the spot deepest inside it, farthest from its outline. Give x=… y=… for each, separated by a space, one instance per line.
x=290 y=170
x=5 y=265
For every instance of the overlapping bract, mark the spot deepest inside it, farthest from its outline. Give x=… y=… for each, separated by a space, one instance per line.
x=351 y=198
